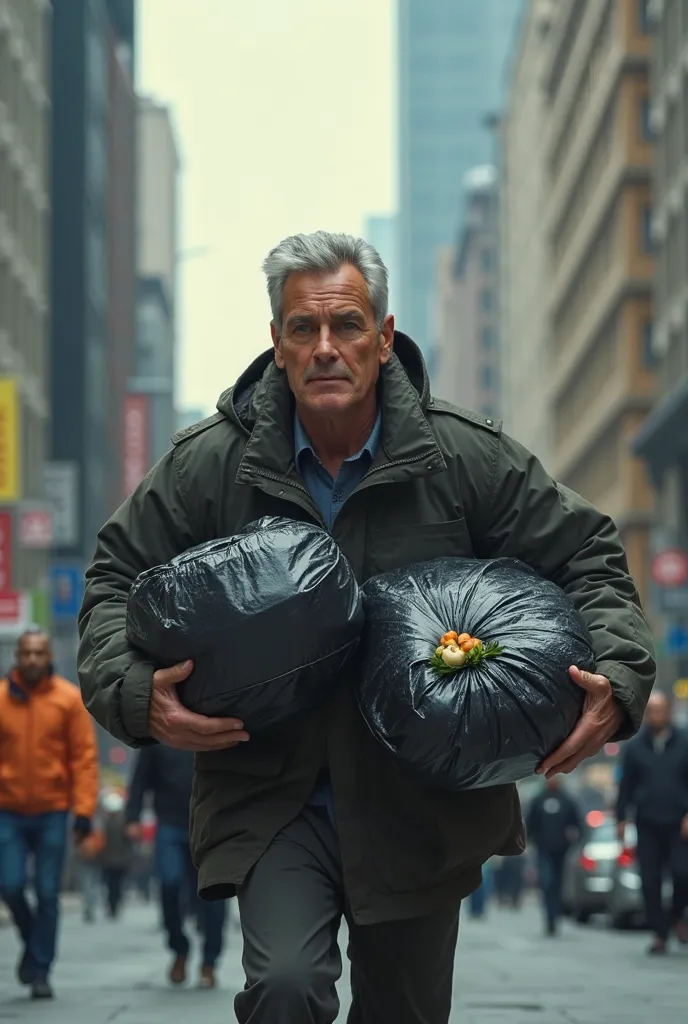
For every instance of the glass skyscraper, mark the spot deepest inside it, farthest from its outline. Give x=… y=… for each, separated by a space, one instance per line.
x=451 y=61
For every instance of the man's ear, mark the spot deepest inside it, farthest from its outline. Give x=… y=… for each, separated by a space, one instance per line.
x=277 y=342
x=386 y=339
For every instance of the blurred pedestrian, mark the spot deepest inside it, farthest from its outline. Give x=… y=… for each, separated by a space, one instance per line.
x=167 y=775
x=335 y=424
x=90 y=872
x=116 y=855
x=48 y=767
x=654 y=790
x=553 y=824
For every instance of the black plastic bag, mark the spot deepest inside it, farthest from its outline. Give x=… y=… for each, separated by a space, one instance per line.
x=484 y=725
x=269 y=618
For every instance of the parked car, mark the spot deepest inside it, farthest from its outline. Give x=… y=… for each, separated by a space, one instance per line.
x=589 y=871
x=626 y=908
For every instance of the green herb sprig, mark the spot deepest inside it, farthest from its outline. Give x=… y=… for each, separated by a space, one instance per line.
x=476 y=657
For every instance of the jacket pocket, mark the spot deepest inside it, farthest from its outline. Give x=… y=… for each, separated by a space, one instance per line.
x=417 y=542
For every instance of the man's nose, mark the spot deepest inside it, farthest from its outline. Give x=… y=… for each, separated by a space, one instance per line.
x=324 y=348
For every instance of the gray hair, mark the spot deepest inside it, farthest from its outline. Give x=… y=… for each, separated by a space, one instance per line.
x=324 y=251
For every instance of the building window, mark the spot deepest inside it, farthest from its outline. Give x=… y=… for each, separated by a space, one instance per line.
x=649 y=357
x=487 y=338
x=646 y=132
x=644 y=16
x=486 y=300
x=646 y=228
x=487 y=260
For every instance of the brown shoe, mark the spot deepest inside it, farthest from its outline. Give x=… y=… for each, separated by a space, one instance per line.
x=207 y=978
x=178 y=970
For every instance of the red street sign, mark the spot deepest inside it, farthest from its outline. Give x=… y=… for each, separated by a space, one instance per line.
x=36 y=528
x=11 y=609
x=5 y=551
x=670 y=568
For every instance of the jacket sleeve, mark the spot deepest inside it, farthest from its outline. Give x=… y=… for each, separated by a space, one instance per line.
x=83 y=760
x=141 y=783
x=628 y=784
x=531 y=517
x=150 y=528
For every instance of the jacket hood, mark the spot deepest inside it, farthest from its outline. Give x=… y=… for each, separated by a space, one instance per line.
x=242 y=402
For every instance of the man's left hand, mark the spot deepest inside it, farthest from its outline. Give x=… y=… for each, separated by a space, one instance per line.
x=601 y=719
x=81 y=828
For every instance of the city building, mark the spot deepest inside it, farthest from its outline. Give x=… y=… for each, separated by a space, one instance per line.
x=381 y=232
x=150 y=414
x=93 y=282
x=25 y=522
x=467 y=350
x=663 y=439
x=523 y=258
x=600 y=373
x=450 y=62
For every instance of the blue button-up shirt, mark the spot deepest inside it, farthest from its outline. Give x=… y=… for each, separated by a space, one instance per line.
x=329 y=495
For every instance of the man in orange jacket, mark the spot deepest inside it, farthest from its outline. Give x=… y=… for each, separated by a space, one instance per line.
x=48 y=767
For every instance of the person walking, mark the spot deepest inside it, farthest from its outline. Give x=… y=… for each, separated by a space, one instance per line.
x=654 y=791
x=116 y=857
x=48 y=767
x=553 y=824
x=335 y=425
x=90 y=872
x=167 y=775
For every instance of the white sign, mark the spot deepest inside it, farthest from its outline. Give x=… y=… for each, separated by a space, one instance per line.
x=61 y=488
x=35 y=528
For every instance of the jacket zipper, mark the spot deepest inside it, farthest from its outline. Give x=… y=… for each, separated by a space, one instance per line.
x=286 y=481
x=29 y=759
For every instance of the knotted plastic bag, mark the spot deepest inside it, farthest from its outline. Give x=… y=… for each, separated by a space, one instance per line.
x=269 y=618
x=485 y=723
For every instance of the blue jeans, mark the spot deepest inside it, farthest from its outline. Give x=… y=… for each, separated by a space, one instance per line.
x=178 y=890
x=45 y=837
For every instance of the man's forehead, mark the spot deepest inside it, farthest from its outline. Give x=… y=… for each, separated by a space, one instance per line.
x=34 y=642
x=332 y=287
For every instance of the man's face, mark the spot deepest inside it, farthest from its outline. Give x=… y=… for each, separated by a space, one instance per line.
x=33 y=658
x=330 y=346
x=658 y=713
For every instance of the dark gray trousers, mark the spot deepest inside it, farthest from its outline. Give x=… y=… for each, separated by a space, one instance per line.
x=291 y=908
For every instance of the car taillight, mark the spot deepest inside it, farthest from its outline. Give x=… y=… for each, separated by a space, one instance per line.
x=587 y=863
x=626 y=858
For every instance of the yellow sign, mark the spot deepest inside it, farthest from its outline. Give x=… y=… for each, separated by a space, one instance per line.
x=9 y=440
x=681 y=689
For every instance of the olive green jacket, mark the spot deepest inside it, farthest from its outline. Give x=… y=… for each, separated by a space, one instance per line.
x=445 y=482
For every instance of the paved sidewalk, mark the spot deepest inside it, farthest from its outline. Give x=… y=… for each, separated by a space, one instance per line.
x=506 y=974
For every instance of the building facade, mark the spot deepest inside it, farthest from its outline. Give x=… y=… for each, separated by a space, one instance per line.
x=599 y=152
x=24 y=312
x=450 y=60
x=150 y=400
x=524 y=258
x=92 y=284
x=381 y=232
x=467 y=351
x=663 y=440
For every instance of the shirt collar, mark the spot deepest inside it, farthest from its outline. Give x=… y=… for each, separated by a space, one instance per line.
x=302 y=442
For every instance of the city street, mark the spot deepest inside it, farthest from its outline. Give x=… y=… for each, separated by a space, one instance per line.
x=506 y=974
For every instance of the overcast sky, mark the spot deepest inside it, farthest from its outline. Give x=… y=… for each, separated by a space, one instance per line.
x=285 y=119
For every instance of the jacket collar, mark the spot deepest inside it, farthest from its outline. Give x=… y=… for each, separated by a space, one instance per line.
x=408 y=446
x=20 y=692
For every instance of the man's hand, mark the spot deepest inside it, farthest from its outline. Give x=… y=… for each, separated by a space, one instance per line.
x=684 y=827
x=81 y=828
x=133 y=831
x=601 y=719
x=171 y=723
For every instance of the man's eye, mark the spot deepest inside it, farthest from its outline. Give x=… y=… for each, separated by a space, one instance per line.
x=349 y=325
x=302 y=329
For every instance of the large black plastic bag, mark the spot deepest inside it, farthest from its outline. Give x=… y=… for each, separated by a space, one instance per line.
x=269 y=617
x=484 y=725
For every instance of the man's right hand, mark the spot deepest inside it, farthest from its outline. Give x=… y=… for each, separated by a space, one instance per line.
x=174 y=725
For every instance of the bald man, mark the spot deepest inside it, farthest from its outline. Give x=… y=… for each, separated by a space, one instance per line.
x=654 y=790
